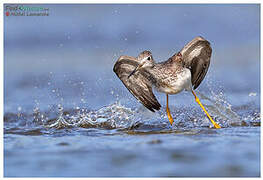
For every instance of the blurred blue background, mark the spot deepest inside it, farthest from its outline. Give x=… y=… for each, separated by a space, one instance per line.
x=86 y=40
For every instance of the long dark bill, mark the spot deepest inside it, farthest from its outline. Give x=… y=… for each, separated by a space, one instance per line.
x=132 y=73
x=138 y=67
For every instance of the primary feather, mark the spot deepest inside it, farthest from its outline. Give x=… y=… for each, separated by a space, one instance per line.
x=138 y=84
x=196 y=56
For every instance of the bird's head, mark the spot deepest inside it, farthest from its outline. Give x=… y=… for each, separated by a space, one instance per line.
x=145 y=61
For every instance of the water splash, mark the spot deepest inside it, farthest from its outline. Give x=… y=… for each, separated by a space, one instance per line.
x=117 y=116
x=109 y=117
x=220 y=109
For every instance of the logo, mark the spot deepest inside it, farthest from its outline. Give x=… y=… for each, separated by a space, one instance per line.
x=25 y=10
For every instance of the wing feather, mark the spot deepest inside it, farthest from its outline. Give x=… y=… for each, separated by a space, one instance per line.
x=196 y=56
x=138 y=84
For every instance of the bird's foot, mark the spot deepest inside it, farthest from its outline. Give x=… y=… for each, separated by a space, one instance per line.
x=209 y=117
x=169 y=116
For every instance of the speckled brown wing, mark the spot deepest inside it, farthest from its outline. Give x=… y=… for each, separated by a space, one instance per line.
x=196 y=56
x=138 y=84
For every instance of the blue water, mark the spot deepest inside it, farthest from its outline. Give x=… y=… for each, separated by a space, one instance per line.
x=66 y=114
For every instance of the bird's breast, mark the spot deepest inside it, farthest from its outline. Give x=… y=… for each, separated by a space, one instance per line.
x=174 y=82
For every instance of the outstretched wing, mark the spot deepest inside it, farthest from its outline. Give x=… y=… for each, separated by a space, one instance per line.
x=196 y=56
x=137 y=84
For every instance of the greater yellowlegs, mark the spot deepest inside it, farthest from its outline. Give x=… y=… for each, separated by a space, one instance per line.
x=185 y=70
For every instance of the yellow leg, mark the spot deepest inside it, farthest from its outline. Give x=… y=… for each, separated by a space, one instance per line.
x=168 y=111
x=200 y=104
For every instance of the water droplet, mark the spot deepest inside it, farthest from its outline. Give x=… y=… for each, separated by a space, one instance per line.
x=101 y=120
x=36 y=109
x=252 y=94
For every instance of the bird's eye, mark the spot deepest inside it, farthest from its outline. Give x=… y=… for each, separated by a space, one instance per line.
x=149 y=58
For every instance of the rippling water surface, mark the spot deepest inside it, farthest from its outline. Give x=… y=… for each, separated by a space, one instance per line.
x=118 y=141
x=67 y=114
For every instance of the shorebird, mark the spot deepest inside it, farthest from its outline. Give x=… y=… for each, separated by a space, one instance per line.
x=185 y=70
